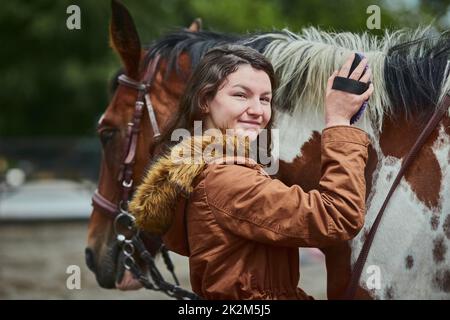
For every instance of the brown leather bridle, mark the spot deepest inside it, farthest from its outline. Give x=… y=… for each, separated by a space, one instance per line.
x=126 y=173
x=432 y=123
x=118 y=212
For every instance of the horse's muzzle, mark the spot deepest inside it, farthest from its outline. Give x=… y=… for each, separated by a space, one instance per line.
x=89 y=257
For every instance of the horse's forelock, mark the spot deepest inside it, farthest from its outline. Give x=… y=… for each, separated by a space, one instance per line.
x=195 y=44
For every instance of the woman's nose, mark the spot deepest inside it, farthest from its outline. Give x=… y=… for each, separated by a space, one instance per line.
x=255 y=108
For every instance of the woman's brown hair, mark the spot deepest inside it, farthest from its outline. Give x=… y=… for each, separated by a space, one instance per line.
x=206 y=80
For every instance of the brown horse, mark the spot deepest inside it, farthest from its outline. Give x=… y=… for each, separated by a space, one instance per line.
x=102 y=252
x=410 y=77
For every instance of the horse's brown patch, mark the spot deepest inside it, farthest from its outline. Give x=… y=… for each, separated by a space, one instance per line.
x=337 y=260
x=398 y=136
x=409 y=262
x=304 y=170
x=446 y=226
x=338 y=265
x=441 y=280
x=439 y=249
x=424 y=174
x=425 y=185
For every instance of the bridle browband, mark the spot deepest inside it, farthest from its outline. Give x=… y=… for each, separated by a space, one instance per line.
x=119 y=211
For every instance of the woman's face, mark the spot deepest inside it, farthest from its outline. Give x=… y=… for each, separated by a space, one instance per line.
x=241 y=103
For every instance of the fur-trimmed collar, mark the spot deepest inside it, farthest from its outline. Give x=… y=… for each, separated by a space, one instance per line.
x=170 y=178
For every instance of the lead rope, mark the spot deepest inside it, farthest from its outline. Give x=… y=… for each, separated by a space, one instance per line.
x=135 y=244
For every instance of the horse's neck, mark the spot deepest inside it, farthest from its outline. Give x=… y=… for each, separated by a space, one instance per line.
x=413 y=237
x=412 y=241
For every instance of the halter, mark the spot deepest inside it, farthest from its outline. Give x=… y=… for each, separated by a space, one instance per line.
x=119 y=212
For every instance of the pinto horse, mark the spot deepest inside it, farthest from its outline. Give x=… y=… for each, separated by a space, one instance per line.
x=409 y=257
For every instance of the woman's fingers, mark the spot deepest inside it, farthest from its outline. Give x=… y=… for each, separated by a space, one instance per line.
x=356 y=74
x=343 y=72
x=367 y=76
x=366 y=95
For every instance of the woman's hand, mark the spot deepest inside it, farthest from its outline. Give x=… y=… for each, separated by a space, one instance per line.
x=340 y=106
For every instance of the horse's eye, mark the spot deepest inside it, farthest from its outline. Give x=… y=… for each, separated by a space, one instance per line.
x=106 y=135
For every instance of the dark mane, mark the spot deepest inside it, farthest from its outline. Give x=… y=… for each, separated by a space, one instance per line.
x=196 y=44
x=415 y=72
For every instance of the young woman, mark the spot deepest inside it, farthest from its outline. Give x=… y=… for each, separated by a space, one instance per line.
x=240 y=228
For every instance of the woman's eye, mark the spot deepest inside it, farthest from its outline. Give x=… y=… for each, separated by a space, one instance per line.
x=106 y=135
x=240 y=95
x=266 y=100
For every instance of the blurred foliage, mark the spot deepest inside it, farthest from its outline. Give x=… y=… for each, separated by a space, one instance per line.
x=55 y=80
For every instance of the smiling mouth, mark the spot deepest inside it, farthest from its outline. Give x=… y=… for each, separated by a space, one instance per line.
x=252 y=123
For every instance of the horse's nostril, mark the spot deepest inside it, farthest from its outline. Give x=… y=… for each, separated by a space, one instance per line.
x=89 y=256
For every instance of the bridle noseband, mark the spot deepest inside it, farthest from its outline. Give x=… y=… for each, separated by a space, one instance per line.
x=119 y=212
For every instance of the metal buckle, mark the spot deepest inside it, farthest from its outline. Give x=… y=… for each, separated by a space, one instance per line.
x=127 y=184
x=127 y=81
x=127 y=221
x=128 y=262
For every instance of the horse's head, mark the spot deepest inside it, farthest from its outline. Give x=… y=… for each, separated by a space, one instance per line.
x=127 y=148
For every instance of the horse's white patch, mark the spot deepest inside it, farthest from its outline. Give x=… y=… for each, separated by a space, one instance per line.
x=405 y=230
x=295 y=131
x=441 y=149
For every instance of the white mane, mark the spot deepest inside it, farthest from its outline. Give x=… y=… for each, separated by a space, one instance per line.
x=303 y=63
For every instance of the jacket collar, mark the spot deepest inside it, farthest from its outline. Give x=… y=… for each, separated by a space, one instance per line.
x=169 y=181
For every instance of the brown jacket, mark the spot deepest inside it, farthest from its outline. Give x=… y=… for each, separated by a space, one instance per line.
x=242 y=229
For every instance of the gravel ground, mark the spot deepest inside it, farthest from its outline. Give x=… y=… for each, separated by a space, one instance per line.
x=34 y=258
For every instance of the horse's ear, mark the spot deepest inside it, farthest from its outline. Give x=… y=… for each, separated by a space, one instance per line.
x=124 y=38
x=196 y=25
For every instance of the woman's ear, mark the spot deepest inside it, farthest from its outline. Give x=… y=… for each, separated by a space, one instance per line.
x=204 y=107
